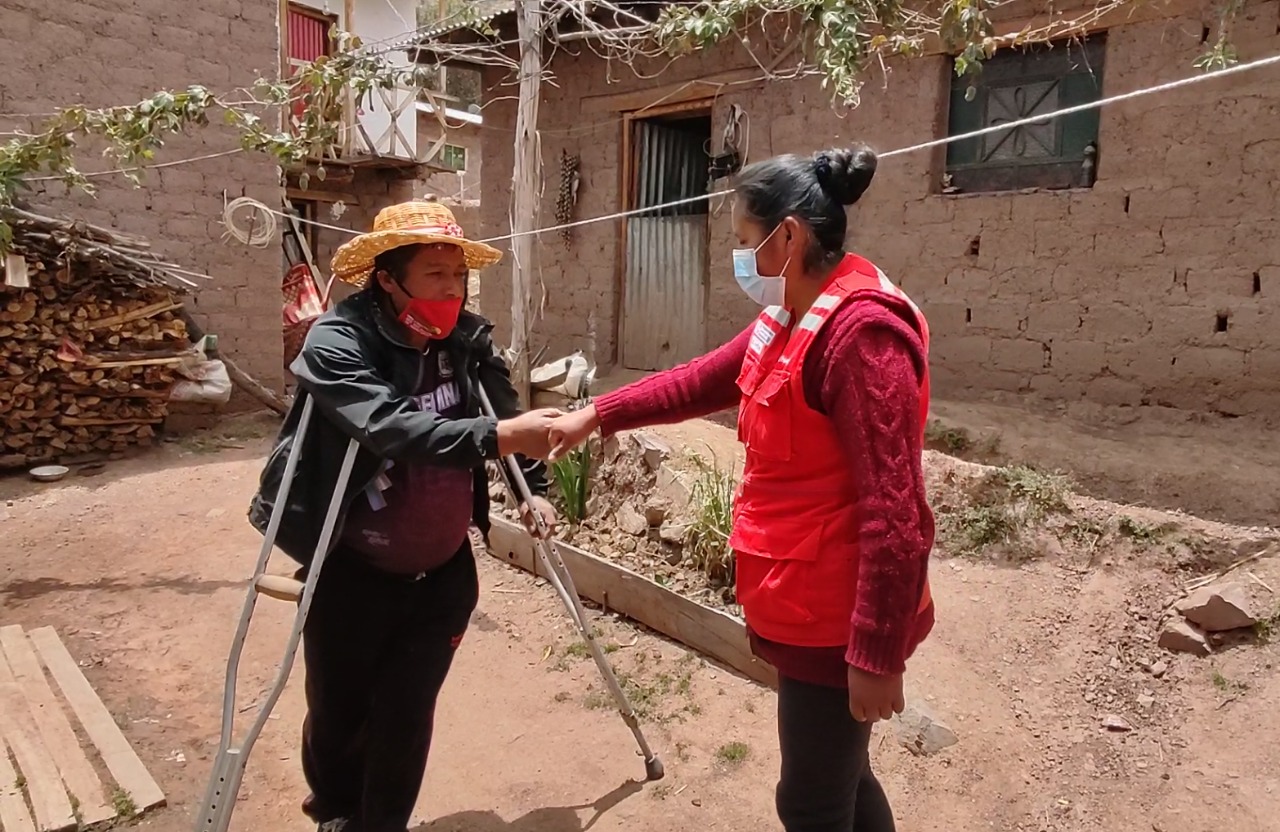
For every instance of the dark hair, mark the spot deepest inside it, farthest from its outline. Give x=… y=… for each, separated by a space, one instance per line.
x=814 y=190
x=394 y=261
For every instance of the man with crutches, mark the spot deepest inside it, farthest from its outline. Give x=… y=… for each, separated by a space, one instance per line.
x=400 y=368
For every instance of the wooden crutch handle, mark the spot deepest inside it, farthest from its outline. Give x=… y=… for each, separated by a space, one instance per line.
x=280 y=587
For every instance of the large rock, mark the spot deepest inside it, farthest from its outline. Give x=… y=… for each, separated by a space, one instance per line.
x=653 y=450
x=921 y=732
x=1184 y=637
x=674 y=487
x=655 y=513
x=673 y=533
x=1218 y=608
x=629 y=520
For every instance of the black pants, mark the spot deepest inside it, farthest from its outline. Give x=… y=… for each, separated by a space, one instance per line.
x=377 y=649
x=826 y=783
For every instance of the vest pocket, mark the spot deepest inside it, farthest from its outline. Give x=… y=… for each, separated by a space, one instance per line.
x=765 y=419
x=775 y=573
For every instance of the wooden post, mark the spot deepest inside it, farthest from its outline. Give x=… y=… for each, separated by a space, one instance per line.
x=349 y=98
x=526 y=174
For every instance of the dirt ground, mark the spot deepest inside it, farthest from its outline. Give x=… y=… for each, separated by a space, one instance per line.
x=142 y=568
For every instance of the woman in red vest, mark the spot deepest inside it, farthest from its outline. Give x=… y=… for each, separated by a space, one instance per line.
x=831 y=528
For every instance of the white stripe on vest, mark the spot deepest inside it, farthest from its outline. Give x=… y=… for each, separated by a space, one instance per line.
x=763 y=334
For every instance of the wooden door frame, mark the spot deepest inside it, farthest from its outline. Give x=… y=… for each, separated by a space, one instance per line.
x=627 y=188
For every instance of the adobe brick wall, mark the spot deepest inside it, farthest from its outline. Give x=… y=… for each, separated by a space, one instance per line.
x=104 y=52
x=1105 y=296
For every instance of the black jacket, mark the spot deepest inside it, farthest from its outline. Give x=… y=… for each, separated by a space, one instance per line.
x=362 y=374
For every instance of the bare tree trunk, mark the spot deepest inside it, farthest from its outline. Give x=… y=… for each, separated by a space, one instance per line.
x=525 y=176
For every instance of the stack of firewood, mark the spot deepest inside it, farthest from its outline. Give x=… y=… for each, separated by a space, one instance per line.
x=90 y=342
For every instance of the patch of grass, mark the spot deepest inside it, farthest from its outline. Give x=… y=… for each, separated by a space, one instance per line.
x=1137 y=531
x=1265 y=629
x=733 y=753
x=1084 y=530
x=661 y=791
x=1228 y=686
x=597 y=700
x=572 y=476
x=954 y=441
x=123 y=803
x=663 y=697
x=708 y=534
x=562 y=696
x=1001 y=506
x=580 y=650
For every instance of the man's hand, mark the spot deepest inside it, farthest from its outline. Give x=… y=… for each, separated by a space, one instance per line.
x=571 y=430
x=527 y=434
x=543 y=508
x=873 y=697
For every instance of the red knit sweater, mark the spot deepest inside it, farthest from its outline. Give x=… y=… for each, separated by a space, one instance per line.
x=863 y=372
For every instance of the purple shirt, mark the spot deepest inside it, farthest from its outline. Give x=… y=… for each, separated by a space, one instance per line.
x=415 y=517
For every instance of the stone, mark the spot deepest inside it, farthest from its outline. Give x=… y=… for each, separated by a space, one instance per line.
x=1113 y=722
x=674 y=557
x=921 y=732
x=611 y=449
x=652 y=450
x=673 y=487
x=673 y=533
x=1158 y=669
x=1218 y=608
x=655 y=513
x=1181 y=636
x=629 y=520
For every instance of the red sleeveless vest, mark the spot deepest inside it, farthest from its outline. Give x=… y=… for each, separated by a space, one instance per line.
x=795 y=533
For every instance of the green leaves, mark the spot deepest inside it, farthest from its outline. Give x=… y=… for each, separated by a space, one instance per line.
x=850 y=38
x=134 y=134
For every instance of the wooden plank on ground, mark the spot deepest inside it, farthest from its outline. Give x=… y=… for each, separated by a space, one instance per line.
x=708 y=631
x=49 y=800
x=123 y=763
x=14 y=816
x=54 y=727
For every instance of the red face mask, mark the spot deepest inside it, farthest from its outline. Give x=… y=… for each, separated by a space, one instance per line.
x=431 y=318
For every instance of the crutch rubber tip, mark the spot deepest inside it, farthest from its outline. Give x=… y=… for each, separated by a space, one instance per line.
x=653 y=769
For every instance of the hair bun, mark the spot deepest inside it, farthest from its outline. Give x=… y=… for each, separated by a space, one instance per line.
x=845 y=174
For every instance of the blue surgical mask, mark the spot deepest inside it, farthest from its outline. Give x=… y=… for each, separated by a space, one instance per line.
x=766 y=291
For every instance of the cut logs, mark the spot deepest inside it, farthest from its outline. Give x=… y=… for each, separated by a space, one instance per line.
x=91 y=338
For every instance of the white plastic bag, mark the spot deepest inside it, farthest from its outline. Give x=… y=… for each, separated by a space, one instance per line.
x=206 y=381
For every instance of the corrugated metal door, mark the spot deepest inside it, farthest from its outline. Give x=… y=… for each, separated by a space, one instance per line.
x=665 y=283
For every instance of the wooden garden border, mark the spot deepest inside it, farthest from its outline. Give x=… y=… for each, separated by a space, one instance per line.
x=711 y=632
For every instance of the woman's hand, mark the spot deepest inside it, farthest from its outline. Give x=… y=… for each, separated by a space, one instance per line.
x=527 y=433
x=873 y=697
x=547 y=512
x=571 y=430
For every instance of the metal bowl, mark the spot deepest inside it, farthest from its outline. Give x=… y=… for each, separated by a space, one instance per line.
x=49 y=473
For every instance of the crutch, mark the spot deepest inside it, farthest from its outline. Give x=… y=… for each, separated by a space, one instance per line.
x=214 y=814
x=558 y=574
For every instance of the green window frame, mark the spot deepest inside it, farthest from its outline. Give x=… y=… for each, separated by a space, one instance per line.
x=1014 y=84
x=454 y=157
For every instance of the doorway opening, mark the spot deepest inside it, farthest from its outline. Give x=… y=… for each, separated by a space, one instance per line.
x=665 y=251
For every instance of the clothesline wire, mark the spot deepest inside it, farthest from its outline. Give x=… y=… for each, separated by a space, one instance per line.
x=1035 y=119
x=141 y=168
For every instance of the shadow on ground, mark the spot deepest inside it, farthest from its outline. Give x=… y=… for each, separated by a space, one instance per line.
x=550 y=819
x=25 y=590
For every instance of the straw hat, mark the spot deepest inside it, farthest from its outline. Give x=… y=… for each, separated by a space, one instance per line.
x=402 y=225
